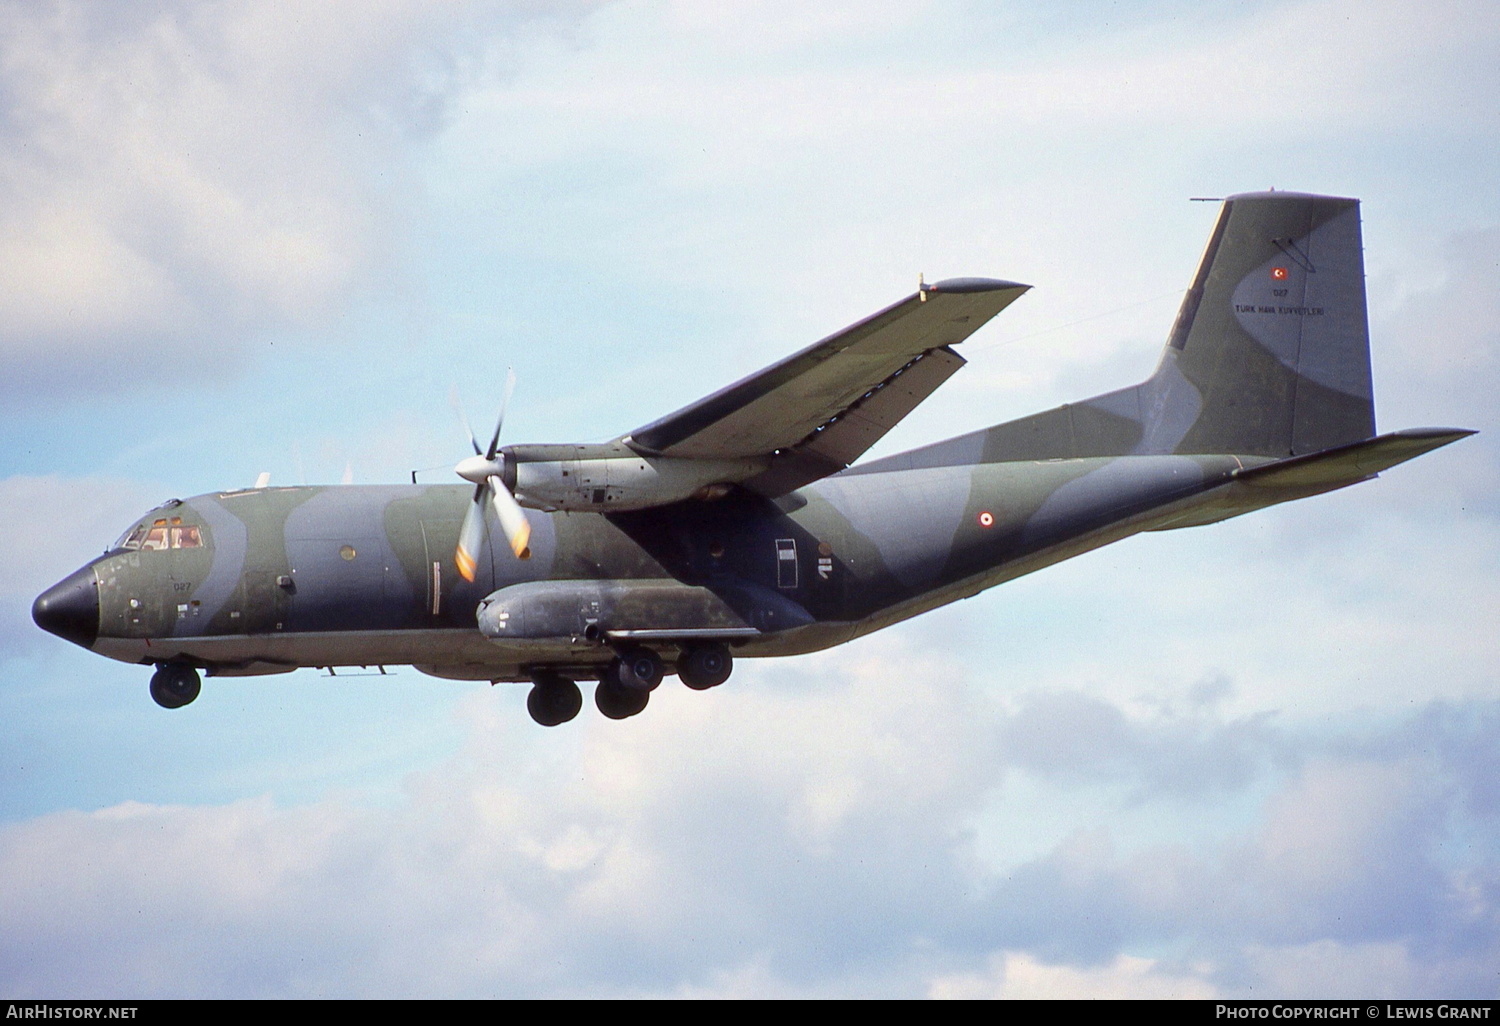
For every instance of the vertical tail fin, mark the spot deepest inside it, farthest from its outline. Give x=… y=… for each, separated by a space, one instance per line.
x=1269 y=355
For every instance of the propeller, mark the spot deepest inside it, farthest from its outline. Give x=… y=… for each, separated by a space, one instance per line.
x=487 y=471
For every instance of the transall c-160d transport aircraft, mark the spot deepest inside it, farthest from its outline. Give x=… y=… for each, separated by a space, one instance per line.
x=737 y=527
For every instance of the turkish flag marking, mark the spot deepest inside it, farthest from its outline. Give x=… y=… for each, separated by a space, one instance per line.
x=1278 y=274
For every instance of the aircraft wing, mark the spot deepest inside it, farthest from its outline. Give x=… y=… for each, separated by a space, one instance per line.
x=817 y=411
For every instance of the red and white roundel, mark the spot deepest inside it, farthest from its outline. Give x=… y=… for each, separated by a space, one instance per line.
x=1278 y=274
x=986 y=519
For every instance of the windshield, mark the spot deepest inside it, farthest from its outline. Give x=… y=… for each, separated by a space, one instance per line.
x=161 y=533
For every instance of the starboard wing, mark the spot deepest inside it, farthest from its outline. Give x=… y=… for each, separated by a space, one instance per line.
x=817 y=411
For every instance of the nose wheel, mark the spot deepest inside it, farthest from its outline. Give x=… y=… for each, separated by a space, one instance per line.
x=174 y=685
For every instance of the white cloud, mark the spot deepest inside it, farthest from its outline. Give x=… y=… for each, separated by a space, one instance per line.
x=1018 y=976
x=178 y=177
x=1435 y=322
x=796 y=832
x=631 y=857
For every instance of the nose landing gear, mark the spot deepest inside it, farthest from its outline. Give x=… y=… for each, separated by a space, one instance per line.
x=174 y=685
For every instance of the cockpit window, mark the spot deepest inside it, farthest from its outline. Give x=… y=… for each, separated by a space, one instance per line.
x=161 y=534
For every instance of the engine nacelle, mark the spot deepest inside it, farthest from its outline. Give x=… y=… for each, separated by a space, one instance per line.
x=587 y=480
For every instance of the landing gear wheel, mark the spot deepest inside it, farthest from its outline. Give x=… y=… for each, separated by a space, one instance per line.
x=619 y=703
x=705 y=666
x=554 y=699
x=637 y=669
x=174 y=685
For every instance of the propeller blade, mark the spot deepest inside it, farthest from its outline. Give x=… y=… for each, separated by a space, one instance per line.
x=463 y=418
x=512 y=518
x=471 y=537
x=510 y=386
x=484 y=472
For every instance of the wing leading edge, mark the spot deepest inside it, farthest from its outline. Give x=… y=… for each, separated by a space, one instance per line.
x=817 y=411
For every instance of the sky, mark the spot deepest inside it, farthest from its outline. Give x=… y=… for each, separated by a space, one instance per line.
x=1260 y=758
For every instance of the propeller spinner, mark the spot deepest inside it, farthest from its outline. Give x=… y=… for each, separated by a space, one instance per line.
x=487 y=471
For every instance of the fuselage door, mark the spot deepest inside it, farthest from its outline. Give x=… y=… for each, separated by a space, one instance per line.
x=264 y=602
x=439 y=538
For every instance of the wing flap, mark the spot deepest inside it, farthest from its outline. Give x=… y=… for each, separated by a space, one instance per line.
x=831 y=447
x=865 y=422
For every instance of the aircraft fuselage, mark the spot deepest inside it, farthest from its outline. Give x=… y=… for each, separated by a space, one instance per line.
x=364 y=575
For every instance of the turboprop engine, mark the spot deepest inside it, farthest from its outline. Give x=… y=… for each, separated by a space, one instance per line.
x=609 y=477
x=576 y=478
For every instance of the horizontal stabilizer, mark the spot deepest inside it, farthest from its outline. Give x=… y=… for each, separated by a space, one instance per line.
x=1346 y=464
x=1298 y=477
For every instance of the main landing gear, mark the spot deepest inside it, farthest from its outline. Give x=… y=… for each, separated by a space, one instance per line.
x=619 y=702
x=554 y=699
x=626 y=683
x=705 y=666
x=174 y=685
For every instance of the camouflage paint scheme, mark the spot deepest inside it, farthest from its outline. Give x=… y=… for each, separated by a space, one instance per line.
x=1262 y=395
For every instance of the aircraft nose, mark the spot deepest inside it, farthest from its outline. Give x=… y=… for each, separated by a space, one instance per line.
x=70 y=608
